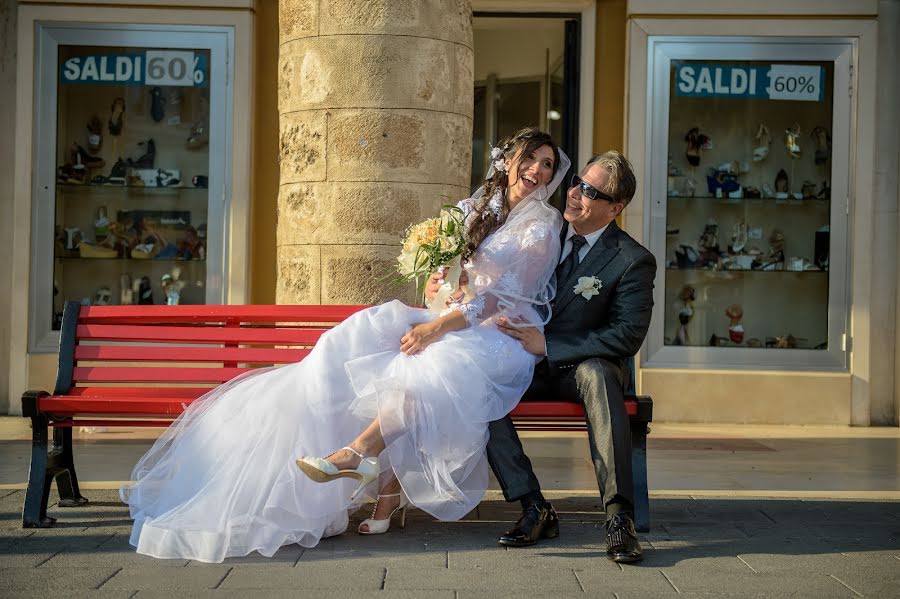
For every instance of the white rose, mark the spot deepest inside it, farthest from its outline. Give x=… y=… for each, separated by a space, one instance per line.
x=588 y=287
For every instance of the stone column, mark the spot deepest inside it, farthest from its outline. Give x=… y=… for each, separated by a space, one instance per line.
x=375 y=105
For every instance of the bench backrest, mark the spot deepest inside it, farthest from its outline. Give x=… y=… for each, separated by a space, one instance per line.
x=184 y=350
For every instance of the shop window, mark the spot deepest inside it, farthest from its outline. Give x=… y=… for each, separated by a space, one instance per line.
x=748 y=203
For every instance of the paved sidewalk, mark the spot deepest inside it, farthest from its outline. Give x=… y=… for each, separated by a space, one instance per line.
x=737 y=511
x=698 y=548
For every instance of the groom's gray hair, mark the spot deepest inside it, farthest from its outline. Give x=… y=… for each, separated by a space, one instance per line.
x=622 y=183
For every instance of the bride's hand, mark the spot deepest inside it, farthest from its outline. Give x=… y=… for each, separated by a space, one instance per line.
x=419 y=337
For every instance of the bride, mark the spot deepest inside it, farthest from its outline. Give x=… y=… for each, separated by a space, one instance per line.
x=410 y=392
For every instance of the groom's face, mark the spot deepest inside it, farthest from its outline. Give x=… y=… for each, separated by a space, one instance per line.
x=587 y=215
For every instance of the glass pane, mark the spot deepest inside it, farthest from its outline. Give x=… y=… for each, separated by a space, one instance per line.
x=519 y=81
x=132 y=150
x=747 y=220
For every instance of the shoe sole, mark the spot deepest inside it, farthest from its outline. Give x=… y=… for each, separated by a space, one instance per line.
x=548 y=535
x=323 y=477
x=625 y=559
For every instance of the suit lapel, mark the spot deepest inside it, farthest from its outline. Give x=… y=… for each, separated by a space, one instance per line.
x=594 y=262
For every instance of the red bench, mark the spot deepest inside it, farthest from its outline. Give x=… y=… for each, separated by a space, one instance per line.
x=142 y=366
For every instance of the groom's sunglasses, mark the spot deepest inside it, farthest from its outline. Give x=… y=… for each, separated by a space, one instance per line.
x=589 y=191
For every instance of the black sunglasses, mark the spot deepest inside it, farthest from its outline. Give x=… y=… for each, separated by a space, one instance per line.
x=589 y=191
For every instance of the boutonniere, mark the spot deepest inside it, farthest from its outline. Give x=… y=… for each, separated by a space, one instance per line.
x=588 y=287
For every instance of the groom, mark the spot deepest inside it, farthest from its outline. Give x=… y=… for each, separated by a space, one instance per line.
x=585 y=348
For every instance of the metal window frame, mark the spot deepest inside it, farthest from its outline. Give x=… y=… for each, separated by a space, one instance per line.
x=843 y=52
x=219 y=40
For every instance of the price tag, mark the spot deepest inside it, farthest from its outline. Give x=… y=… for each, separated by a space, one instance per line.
x=795 y=82
x=173 y=67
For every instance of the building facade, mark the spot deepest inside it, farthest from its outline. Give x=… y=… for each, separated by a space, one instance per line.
x=241 y=151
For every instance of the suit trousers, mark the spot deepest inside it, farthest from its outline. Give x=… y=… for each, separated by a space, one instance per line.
x=598 y=385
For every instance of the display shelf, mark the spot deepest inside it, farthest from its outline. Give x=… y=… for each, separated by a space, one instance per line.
x=199 y=193
x=72 y=259
x=728 y=271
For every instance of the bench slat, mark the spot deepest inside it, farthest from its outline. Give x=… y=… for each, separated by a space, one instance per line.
x=189 y=354
x=137 y=374
x=157 y=406
x=213 y=313
x=199 y=334
x=549 y=410
x=148 y=392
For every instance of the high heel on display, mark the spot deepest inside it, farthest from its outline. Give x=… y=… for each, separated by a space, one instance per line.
x=322 y=471
x=379 y=527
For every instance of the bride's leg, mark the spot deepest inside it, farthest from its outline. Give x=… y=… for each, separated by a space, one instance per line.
x=369 y=443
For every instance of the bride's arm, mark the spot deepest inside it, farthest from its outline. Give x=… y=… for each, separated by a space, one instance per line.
x=423 y=335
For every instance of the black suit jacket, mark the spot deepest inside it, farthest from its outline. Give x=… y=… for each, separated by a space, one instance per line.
x=611 y=325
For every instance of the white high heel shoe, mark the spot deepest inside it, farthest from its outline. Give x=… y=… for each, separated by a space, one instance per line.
x=379 y=527
x=322 y=471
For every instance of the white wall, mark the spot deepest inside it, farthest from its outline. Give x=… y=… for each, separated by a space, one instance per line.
x=886 y=291
x=7 y=150
x=494 y=37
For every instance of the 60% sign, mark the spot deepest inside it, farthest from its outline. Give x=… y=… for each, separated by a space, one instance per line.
x=795 y=82
x=173 y=67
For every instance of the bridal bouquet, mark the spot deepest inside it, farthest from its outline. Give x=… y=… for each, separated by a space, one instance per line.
x=430 y=244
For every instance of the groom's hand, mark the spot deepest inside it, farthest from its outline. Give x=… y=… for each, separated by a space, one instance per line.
x=531 y=338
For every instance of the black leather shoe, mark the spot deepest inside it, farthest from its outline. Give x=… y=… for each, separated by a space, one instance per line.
x=621 y=540
x=538 y=521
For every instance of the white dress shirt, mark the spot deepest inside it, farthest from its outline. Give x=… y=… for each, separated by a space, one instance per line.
x=591 y=240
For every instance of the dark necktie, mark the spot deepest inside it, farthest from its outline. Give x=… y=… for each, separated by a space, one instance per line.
x=568 y=265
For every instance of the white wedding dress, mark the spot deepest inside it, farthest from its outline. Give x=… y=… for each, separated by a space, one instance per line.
x=222 y=482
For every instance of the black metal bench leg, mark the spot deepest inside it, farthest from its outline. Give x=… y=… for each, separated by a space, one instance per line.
x=66 y=479
x=34 y=514
x=639 y=471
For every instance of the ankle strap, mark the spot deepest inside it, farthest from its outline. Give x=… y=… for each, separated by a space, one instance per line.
x=350 y=449
x=390 y=495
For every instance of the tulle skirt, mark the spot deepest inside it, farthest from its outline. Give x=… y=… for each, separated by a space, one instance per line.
x=221 y=481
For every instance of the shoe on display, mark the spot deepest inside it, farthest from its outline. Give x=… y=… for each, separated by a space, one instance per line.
x=103 y=296
x=89 y=250
x=148 y=158
x=696 y=142
x=95 y=134
x=145 y=292
x=739 y=237
x=200 y=181
x=822 y=139
x=792 y=141
x=117 y=173
x=126 y=293
x=116 y=112
x=157 y=105
x=781 y=184
x=198 y=138
x=763 y=141
x=81 y=159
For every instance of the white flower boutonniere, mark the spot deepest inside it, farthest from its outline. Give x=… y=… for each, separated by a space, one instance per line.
x=588 y=287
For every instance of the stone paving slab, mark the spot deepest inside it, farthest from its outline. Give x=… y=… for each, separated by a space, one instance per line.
x=697 y=548
x=520 y=580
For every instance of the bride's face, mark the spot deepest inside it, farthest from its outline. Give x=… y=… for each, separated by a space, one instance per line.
x=527 y=173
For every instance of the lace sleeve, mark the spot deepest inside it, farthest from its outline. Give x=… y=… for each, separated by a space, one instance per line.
x=510 y=273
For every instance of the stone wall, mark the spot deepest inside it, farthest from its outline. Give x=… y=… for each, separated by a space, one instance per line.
x=375 y=104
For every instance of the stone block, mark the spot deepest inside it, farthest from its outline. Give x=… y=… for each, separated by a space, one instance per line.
x=299 y=275
x=38 y=582
x=302 y=146
x=356 y=274
x=399 y=145
x=449 y=20
x=375 y=71
x=356 y=212
x=297 y=19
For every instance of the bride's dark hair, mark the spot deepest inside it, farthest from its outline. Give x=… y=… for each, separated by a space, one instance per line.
x=484 y=220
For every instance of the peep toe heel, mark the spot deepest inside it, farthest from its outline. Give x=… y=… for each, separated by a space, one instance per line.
x=323 y=471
